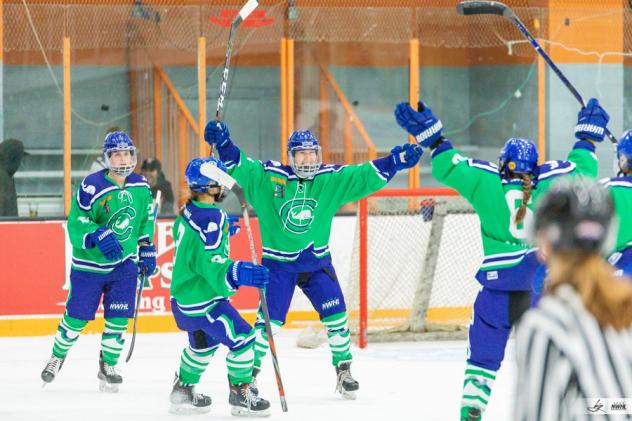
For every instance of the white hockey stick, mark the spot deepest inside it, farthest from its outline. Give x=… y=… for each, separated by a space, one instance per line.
x=213 y=172
x=241 y=16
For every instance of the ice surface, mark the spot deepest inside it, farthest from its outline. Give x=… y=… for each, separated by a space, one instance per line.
x=398 y=381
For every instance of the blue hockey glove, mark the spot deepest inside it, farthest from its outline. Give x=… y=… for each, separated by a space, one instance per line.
x=147 y=259
x=591 y=122
x=245 y=273
x=233 y=225
x=422 y=123
x=216 y=133
x=406 y=156
x=106 y=240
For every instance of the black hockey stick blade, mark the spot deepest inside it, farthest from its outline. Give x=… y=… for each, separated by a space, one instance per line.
x=467 y=8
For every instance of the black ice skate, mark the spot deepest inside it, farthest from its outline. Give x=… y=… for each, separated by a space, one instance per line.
x=347 y=386
x=52 y=368
x=184 y=400
x=245 y=403
x=109 y=379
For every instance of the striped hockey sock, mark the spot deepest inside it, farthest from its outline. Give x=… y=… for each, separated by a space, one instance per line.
x=240 y=363
x=477 y=388
x=112 y=340
x=338 y=337
x=261 y=339
x=67 y=334
x=193 y=362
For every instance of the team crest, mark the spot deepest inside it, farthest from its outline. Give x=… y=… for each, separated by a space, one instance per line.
x=298 y=215
x=121 y=222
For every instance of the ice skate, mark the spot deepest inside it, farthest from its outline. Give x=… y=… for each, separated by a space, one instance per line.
x=245 y=403
x=184 y=400
x=109 y=379
x=347 y=386
x=52 y=368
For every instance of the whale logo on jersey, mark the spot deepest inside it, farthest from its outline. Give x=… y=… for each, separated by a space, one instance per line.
x=88 y=188
x=121 y=222
x=298 y=215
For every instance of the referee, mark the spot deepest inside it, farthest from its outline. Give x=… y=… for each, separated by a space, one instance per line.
x=574 y=349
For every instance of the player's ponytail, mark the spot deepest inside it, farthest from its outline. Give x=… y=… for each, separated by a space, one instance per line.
x=527 y=184
x=607 y=297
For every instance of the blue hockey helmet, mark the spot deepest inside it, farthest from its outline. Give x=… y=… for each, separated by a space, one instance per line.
x=115 y=142
x=197 y=181
x=304 y=140
x=518 y=156
x=624 y=152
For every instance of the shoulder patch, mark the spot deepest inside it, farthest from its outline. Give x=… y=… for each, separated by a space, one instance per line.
x=208 y=223
x=92 y=187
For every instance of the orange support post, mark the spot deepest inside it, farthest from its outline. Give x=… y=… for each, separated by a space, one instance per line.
x=284 y=118
x=347 y=137
x=157 y=115
x=204 y=149
x=324 y=117
x=413 y=98
x=290 y=87
x=67 y=128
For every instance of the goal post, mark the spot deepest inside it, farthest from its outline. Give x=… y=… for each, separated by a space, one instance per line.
x=415 y=255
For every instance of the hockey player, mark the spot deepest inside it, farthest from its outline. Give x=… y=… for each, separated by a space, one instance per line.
x=203 y=279
x=621 y=189
x=111 y=228
x=296 y=204
x=502 y=195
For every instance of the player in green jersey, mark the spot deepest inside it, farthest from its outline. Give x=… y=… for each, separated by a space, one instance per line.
x=296 y=204
x=111 y=229
x=621 y=189
x=502 y=196
x=204 y=277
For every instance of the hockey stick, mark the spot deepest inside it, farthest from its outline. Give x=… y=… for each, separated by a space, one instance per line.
x=241 y=16
x=230 y=183
x=468 y=8
x=143 y=279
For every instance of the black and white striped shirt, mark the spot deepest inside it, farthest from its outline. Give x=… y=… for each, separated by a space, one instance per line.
x=566 y=360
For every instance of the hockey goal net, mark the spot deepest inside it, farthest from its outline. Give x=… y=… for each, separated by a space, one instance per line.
x=414 y=259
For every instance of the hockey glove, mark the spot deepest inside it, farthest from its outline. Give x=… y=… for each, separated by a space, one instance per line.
x=233 y=225
x=591 y=122
x=147 y=259
x=245 y=273
x=216 y=133
x=406 y=156
x=105 y=239
x=422 y=123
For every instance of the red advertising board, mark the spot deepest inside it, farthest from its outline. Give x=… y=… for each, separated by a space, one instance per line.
x=36 y=265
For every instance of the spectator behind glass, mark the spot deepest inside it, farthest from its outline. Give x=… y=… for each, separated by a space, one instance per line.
x=11 y=154
x=152 y=170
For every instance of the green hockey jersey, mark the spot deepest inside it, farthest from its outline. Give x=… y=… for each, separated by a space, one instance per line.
x=295 y=215
x=201 y=261
x=496 y=201
x=100 y=202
